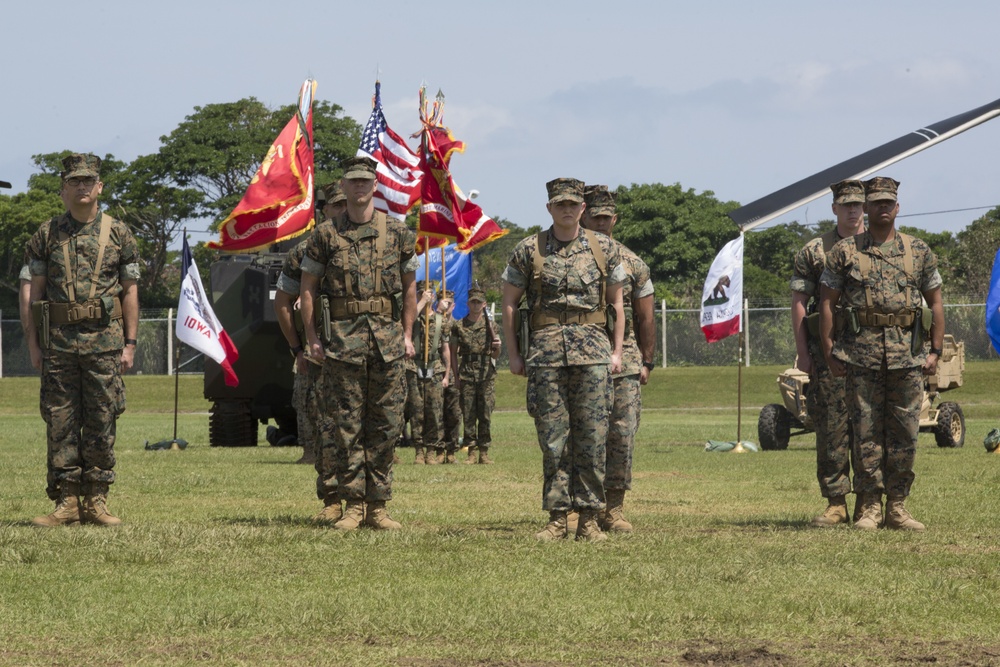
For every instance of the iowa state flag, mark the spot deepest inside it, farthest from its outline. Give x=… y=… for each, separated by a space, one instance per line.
x=722 y=296
x=279 y=201
x=197 y=324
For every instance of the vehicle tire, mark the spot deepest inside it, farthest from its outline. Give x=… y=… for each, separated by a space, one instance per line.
x=231 y=424
x=950 y=431
x=774 y=427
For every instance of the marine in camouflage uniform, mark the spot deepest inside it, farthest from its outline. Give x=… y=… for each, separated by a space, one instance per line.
x=879 y=277
x=475 y=346
x=452 y=422
x=363 y=262
x=637 y=301
x=570 y=358
x=426 y=381
x=305 y=396
x=84 y=268
x=825 y=398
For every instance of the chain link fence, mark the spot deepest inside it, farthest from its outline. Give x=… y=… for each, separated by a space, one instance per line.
x=680 y=341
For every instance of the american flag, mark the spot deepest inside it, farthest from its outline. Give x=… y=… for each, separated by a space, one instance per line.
x=398 y=172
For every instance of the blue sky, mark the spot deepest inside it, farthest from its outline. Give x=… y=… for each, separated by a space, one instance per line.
x=733 y=97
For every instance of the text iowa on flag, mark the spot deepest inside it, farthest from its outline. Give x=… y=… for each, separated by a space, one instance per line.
x=197 y=324
x=278 y=203
x=722 y=296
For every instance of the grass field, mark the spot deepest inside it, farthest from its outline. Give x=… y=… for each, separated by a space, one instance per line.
x=217 y=562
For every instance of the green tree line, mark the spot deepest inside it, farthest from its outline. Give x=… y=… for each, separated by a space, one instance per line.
x=203 y=166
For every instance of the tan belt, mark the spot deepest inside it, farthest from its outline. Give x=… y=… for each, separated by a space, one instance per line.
x=342 y=308
x=548 y=318
x=71 y=313
x=871 y=318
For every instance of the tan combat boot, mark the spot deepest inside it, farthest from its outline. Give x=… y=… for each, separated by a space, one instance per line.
x=379 y=519
x=331 y=512
x=419 y=459
x=472 y=456
x=572 y=521
x=834 y=514
x=440 y=455
x=555 y=529
x=613 y=518
x=450 y=458
x=484 y=456
x=353 y=516
x=431 y=458
x=67 y=511
x=588 y=529
x=898 y=517
x=871 y=511
x=95 y=507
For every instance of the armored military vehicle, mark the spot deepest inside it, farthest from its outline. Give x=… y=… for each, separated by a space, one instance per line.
x=780 y=422
x=242 y=290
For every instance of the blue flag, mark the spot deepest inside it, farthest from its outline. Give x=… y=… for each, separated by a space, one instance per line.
x=458 y=276
x=993 y=305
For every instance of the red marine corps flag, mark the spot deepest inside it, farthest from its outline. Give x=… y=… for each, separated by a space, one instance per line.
x=445 y=211
x=279 y=202
x=197 y=324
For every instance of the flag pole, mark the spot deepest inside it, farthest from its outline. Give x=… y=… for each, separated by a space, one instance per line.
x=427 y=307
x=444 y=274
x=173 y=443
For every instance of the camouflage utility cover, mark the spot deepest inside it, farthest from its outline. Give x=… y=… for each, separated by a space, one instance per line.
x=354 y=338
x=570 y=282
x=881 y=187
x=848 y=192
x=119 y=264
x=79 y=165
x=889 y=286
x=599 y=200
x=565 y=189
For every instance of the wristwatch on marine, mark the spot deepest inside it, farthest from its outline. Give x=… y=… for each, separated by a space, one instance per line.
x=131 y=341
x=936 y=350
x=648 y=365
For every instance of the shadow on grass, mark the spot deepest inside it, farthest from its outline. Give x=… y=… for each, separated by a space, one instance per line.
x=767 y=524
x=303 y=521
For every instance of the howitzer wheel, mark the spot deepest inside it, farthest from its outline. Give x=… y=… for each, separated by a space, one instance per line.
x=231 y=424
x=774 y=427
x=950 y=430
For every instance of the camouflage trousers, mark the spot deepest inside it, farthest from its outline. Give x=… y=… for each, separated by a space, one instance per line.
x=452 y=417
x=425 y=406
x=885 y=411
x=477 y=411
x=361 y=417
x=622 y=427
x=81 y=398
x=828 y=411
x=570 y=405
x=305 y=399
